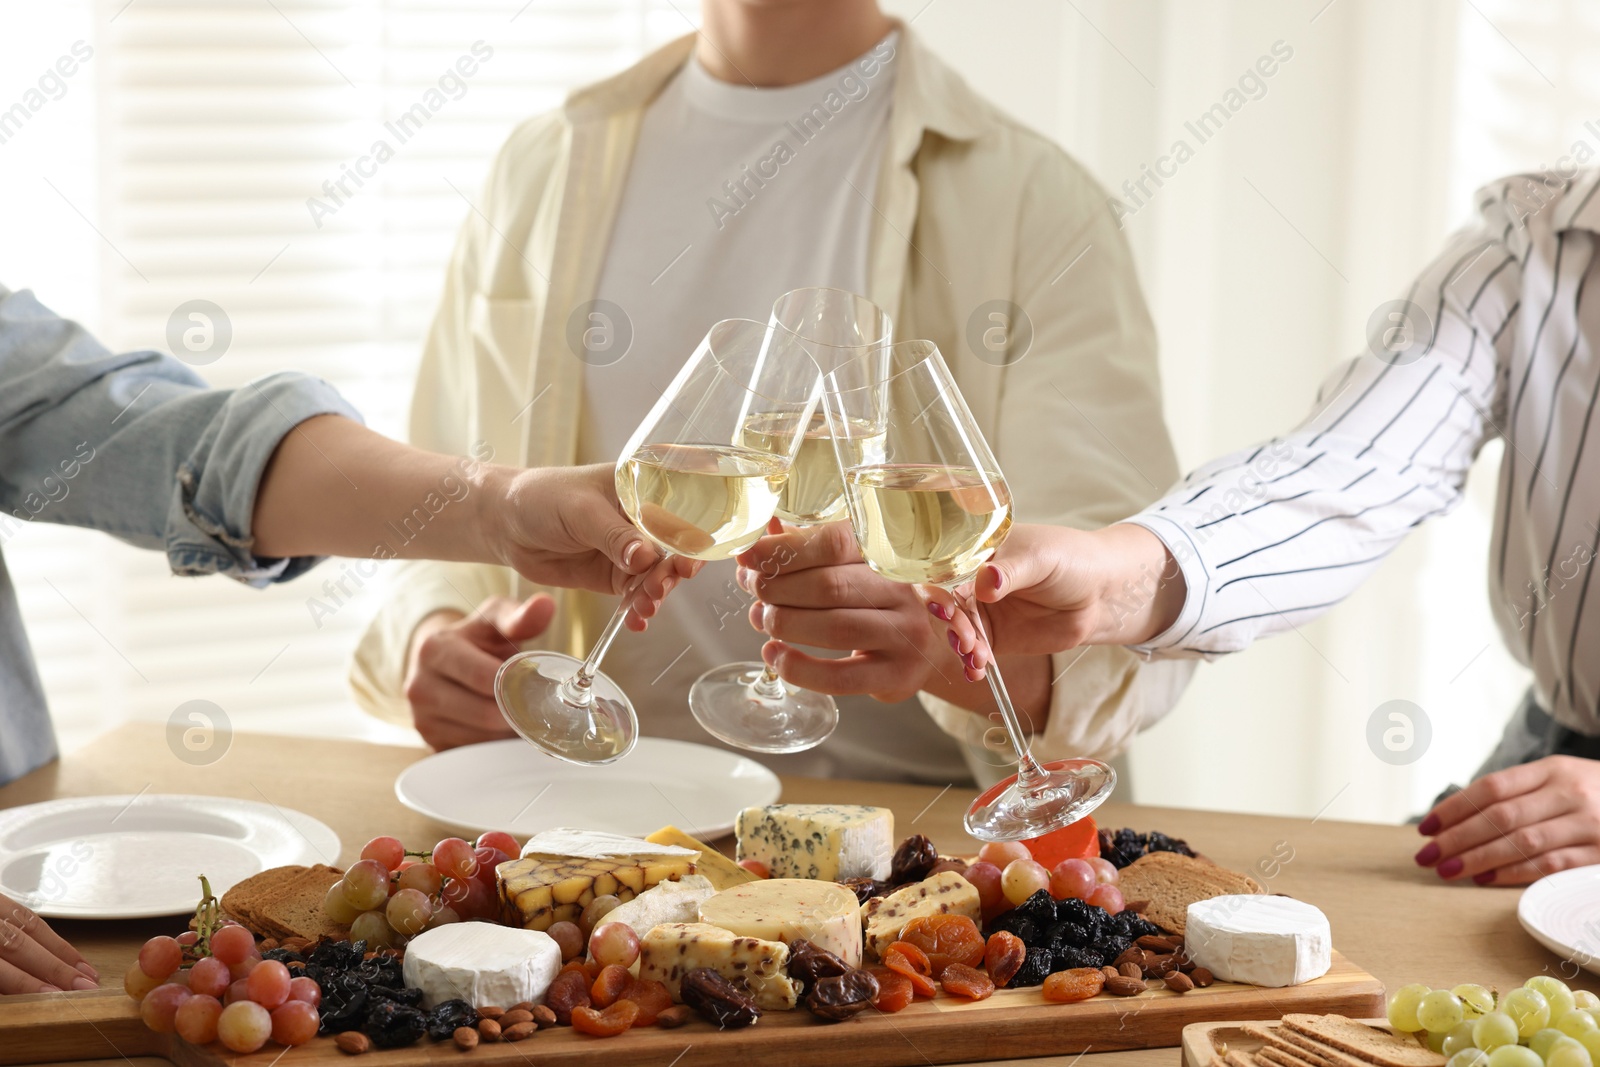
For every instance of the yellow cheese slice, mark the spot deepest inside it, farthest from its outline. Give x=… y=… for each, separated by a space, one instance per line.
x=784 y=909
x=723 y=872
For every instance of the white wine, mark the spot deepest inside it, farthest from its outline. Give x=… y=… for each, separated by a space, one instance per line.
x=814 y=492
x=706 y=501
x=933 y=525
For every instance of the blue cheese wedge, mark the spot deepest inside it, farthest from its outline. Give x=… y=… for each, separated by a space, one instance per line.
x=672 y=950
x=945 y=893
x=1259 y=940
x=829 y=842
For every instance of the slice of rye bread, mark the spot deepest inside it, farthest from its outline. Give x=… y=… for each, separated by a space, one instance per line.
x=240 y=901
x=1272 y=1037
x=1239 y=1058
x=1171 y=883
x=1362 y=1041
x=1280 y=1057
x=294 y=908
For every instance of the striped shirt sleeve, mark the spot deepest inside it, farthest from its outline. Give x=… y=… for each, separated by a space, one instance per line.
x=1271 y=536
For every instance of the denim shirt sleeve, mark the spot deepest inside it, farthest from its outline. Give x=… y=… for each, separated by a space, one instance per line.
x=137 y=445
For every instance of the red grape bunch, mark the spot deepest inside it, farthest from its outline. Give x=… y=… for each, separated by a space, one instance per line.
x=390 y=895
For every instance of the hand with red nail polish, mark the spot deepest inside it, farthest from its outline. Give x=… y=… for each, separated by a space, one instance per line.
x=1515 y=826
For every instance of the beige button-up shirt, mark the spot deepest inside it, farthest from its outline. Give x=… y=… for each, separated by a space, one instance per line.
x=988 y=239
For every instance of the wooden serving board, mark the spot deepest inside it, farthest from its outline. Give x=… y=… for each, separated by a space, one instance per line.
x=1010 y=1024
x=1204 y=1043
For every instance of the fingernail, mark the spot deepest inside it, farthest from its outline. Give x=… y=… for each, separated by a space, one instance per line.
x=1429 y=826
x=87 y=969
x=1429 y=854
x=769 y=656
x=48 y=988
x=998 y=576
x=630 y=554
x=970 y=659
x=1450 y=867
x=85 y=983
x=1483 y=877
x=955 y=640
x=938 y=610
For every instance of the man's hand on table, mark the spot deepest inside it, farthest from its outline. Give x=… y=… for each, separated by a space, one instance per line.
x=1517 y=825
x=34 y=958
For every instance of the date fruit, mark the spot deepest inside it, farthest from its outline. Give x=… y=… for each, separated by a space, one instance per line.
x=913 y=860
x=809 y=963
x=718 y=999
x=838 y=997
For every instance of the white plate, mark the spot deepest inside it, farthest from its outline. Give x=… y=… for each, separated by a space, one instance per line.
x=1562 y=912
x=511 y=786
x=134 y=857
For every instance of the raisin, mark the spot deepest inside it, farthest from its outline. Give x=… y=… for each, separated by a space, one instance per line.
x=608 y=1023
x=808 y=963
x=966 y=981
x=840 y=996
x=1080 y=983
x=946 y=939
x=608 y=986
x=912 y=962
x=912 y=860
x=1003 y=956
x=894 y=990
x=718 y=999
x=651 y=997
x=569 y=990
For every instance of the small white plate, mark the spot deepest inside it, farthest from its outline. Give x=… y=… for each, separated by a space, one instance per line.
x=511 y=786
x=1562 y=912
x=135 y=857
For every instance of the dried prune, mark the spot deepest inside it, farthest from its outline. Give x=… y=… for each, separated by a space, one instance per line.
x=839 y=996
x=393 y=1025
x=1014 y=922
x=1070 y=957
x=866 y=888
x=1041 y=908
x=407 y=998
x=809 y=962
x=1035 y=968
x=912 y=860
x=345 y=1002
x=718 y=999
x=444 y=1020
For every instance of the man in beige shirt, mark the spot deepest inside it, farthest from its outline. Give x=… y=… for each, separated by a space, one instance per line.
x=898 y=182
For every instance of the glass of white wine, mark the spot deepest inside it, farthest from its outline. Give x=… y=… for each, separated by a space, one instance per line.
x=694 y=482
x=931 y=510
x=747 y=704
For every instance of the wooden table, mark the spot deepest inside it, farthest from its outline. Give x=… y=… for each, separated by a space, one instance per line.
x=1389 y=916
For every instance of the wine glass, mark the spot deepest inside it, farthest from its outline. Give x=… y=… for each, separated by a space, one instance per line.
x=931 y=511
x=696 y=483
x=747 y=704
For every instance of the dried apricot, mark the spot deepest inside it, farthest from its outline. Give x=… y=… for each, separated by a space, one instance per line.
x=569 y=990
x=1003 y=956
x=946 y=939
x=894 y=990
x=911 y=961
x=608 y=1023
x=608 y=986
x=1079 y=983
x=651 y=996
x=966 y=981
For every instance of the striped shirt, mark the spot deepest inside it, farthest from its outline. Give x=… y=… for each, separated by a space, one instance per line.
x=1498 y=337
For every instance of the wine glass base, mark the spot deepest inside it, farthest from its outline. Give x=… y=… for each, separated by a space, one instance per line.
x=727 y=706
x=529 y=690
x=1072 y=789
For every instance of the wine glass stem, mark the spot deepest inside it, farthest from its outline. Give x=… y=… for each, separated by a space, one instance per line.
x=769 y=686
x=578 y=690
x=1031 y=778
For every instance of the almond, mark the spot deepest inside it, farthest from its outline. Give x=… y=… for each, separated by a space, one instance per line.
x=1179 y=982
x=493 y=1011
x=521 y=1005
x=466 y=1038
x=1130 y=970
x=489 y=1030
x=1157 y=942
x=673 y=1017
x=353 y=1042
x=1109 y=971
x=1201 y=977
x=1161 y=966
x=542 y=1016
x=515 y=1016
x=519 y=1032
x=1123 y=986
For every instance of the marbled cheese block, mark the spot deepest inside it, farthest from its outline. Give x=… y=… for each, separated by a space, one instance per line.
x=830 y=842
x=784 y=909
x=723 y=872
x=672 y=950
x=945 y=892
x=538 y=890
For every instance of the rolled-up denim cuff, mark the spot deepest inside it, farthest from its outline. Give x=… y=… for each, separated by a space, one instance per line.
x=209 y=522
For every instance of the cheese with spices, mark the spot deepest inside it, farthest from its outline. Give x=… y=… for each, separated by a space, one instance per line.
x=784 y=909
x=831 y=842
x=945 y=892
x=672 y=950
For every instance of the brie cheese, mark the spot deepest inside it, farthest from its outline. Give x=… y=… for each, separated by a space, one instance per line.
x=668 y=902
x=481 y=963
x=1259 y=940
x=593 y=844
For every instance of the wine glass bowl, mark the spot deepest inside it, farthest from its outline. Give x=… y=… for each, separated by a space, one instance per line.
x=930 y=510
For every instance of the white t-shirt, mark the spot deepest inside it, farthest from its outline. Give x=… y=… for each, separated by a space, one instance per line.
x=736 y=195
